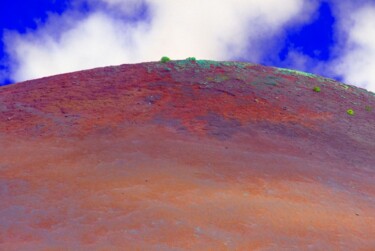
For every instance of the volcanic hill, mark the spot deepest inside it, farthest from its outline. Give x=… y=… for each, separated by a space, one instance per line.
x=187 y=155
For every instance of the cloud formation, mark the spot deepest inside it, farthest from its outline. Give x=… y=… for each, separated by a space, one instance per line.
x=109 y=34
x=114 y=32
x=353 y=53
x=355 y=61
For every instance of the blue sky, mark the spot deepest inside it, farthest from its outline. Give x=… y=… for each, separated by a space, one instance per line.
x=330 y=38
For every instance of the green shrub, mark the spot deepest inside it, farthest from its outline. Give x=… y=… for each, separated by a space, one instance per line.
x=368 y=108
x=350 y=112
x=316 y=89
x=191 y=59
x=165 y=59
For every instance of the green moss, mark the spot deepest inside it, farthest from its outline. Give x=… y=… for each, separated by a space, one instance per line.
x=316 y=89
x=240 y=65
x=165 y=59
x=289 y=72
x=344 y=86
x=271 y=80
x=207 y=63
x=350 y=112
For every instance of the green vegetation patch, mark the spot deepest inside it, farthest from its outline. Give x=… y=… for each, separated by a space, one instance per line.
x=350 y=112
x=271 y=80
x=368 y=108
x=346 y=87
x=165 y=59
x=240 y=65
x=294 y=72
x=316 y=89
x=207 y=63
x=191 y=59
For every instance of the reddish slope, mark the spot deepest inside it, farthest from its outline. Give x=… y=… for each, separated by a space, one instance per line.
x=192 y=155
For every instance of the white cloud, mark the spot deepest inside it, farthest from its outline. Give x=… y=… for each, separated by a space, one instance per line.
x=128 y=7
x=219 y=30
x=356 y=57
x=95 y=41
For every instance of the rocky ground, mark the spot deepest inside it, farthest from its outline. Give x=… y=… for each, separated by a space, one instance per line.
x=189 y=154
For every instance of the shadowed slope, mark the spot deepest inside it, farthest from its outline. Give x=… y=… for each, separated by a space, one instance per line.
x=186 y=154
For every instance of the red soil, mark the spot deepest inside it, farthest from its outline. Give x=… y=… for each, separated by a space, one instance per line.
x=193 y=155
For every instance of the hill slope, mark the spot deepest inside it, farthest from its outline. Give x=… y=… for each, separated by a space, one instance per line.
x=186 y=154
